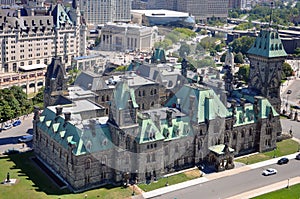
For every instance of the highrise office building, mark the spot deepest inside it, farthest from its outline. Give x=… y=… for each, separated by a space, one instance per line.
x=202 y=10
x=98 y=12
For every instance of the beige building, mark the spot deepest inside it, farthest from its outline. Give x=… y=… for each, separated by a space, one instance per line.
x=99 y=12
x=31 y=37
x=123 y=37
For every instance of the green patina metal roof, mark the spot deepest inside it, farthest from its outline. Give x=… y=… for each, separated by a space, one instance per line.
x=207 y=105
x=268 y=44
x=180 y=128
x=247 y=117
x=122 y=94
x=148 y=131
x=219 y=149
x=82 y=140
x=159 y=56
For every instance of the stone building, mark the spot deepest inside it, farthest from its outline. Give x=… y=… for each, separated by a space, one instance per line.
x=194 y=126
x=127 y=37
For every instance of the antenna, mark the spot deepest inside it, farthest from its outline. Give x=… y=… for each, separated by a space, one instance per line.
x=271 y=5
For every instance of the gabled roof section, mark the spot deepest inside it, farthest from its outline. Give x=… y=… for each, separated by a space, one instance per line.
x=68 y=135
x=148 y=131
x=60 y=17
x=122 y=95
x=268 y=44
x=206 y=104
x=90 y=81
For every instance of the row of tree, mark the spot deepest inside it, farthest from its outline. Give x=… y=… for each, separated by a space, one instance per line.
x=14 y=103
x=280 y=12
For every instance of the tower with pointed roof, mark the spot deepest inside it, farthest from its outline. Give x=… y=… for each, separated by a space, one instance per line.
x=267 y=56
x=56 y=82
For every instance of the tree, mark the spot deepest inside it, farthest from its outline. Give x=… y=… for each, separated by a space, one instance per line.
x=222 y=59
x=238 y=58
x=242 y=44
x=243 y=73
x=184 y=49
x=287 y=70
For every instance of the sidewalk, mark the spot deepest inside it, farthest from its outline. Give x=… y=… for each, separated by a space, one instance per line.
x=214 y=176
x=267 y=189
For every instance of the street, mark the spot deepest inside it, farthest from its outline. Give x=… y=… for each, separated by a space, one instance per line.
x=232 y=185
x=9 y=138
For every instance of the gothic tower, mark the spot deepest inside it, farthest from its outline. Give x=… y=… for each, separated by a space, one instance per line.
x=267 y=56
x=56 y=82
x=229 y=63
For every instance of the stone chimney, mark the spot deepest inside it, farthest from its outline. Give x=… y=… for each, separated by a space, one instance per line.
x=233 y=106
x=243 y=103
x=59 y=110
x=157 y=120
x=92 y=126
x=36 y=113
x=169 y=117
x=67 y=116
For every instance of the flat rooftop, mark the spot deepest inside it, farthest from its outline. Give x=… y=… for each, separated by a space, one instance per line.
x=161 y=13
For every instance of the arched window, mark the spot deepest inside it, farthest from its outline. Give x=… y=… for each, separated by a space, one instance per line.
x=107 y=98
x=127 y=142
x=166 y=150
x=177 y=148
x=88 y=163
x=148 y=157
x=153 y=157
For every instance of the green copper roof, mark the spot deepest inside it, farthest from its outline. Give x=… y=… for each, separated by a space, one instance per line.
x=180 y=128
x=159 y=56
x=122 y=94
x=83 y=140
x=207 y=105
x=148 y=132
x=267 y=44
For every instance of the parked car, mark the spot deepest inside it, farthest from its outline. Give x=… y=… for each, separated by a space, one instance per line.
x=283 y=161
x=298 y=156
x=11 y=151
x=17 y=123
x=269 y=171
x=26 y=138
x=7 y=126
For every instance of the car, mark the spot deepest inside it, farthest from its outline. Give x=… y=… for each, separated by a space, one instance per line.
x=26 y=138
x=283 y=161
x=269 y=171
x=7 y=126
x=11 y=151
x=298 y=156
x=17 y=123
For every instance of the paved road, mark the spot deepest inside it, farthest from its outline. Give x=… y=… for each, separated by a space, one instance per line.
x=9 y=138
x=232 y=185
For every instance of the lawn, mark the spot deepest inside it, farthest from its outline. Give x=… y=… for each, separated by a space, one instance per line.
x=284 y=147
x=291 y=193
x=174 y=179
x=33 y=183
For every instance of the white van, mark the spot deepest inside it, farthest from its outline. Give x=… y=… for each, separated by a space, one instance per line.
x=26 y=138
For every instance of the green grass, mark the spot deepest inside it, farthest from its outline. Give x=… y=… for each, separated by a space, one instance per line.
x=175 y=179
x=33 y=183
x=284 y=147
x=291 y=193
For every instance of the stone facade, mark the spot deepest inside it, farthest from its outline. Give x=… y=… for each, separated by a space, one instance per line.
x=142 y=144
